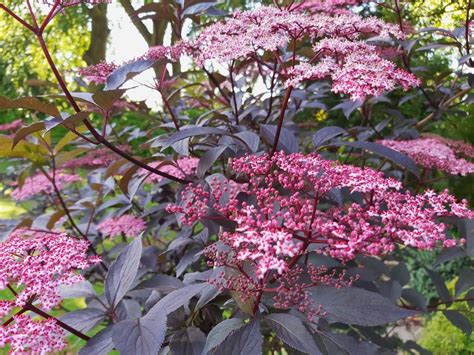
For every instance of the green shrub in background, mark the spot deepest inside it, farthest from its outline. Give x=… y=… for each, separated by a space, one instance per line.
x=441 y=337
x=418 y=260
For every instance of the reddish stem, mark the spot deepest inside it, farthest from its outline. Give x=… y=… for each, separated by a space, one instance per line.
x=280 y=119
x=63 y=325
x=97 y=136
x=18 y=18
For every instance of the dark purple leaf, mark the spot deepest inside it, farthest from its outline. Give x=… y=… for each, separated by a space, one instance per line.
x=140 y=336
x=122 y=272
x=397 y=157
x=189 y=341
x=126 y=72
x=459 y=320
x=354 y=305
x=292 y=331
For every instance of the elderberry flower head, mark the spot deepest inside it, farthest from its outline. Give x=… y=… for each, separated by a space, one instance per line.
x=28 y=336
x=434 y=152
x=39 y=183
x=39 y=262
x=278 y=213
x=181 y=168
x=127 y=225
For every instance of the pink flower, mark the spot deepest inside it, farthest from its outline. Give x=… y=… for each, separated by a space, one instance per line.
x=435 y=152
x=181 y=168
x=277 y=215
x=268 y=28
x=37 y=263
x=98 y=73
x=68 y=3
x=354 y=67
x=39 y=183
x=329 y=6
x=12 y=126
x=127 y=225
x=28 y=336
x=102 y=157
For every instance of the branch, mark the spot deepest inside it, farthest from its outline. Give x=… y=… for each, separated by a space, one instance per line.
x=30 y=307
x=138 y=24
x=280 y=119
x=444 y=105
x=100 y=139
x=18 y=18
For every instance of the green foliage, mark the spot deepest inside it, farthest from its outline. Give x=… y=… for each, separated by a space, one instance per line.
x=441 y=337
x=417 y=260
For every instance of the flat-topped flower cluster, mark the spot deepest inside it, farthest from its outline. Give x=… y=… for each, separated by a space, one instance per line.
x=126 y=225
x=41 y=184
x=341 y=53
x=33 y=265
x=437 y=153
x=289 y=202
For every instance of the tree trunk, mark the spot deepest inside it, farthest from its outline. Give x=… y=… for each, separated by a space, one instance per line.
x=99 y=35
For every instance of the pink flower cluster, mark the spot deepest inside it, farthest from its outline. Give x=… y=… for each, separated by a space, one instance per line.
x=39 y=183
x=355 y=68
x=268 y=28
x=12 y=126
x=37 y=263
x=98 y=73
x=329 y=6
x=279 y=218
x=126 y=225
x=36 y=337
x=181 y=168
x=68 y=3
x=102 y=157
x=435 y=152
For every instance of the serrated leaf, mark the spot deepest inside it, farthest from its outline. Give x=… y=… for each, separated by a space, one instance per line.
x=352 y=305
x=99 y=344
x=122 y=272
x=83 y=320
x=348 y=106
x=208 y=159
x=197 y=8
x=81 y=289
x=287 y=141
x=30 y=103
x=448 y=254
x=415 y=298
x=106 y=99
x=24 y=132
x=162 y=283
x=189 y=341
x=292 y=331
x=175 y=300
x=140 y=336
x=192 y=132
x=440 y=285
x=397 y=157
x=325 y=134
x=459 y=320
x=400 y=273
x=465 y=281
x=126 y=72
x=220 y=332
x=252 y=139
x=246 y=339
